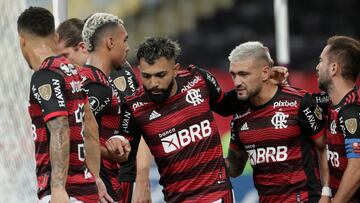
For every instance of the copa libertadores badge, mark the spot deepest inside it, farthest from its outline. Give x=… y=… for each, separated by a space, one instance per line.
x=45 y=91
x=351 y=125
x=120 y=83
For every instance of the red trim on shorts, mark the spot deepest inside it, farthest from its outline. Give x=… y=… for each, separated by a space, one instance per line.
x=55 y=114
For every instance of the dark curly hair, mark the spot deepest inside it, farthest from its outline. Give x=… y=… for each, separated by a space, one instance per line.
x=36 y=20
x=70 y=32
x=154 y=48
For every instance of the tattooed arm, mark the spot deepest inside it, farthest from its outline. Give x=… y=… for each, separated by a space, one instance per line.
x=59 y=157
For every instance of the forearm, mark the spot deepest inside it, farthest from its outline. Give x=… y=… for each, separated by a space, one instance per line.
x=350 y=182
x=92 y=145
x=235 y=162
x=143 y=162
x=324 y=168
x=59 y=150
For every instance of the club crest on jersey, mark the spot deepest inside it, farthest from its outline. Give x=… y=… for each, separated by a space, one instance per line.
x=193 y=97
x=120 y=83
x=45 y=91
x=351 y=125
x=68 y=69
x=333 y=127
x=279 y=120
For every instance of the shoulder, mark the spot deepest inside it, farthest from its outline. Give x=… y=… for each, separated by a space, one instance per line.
x=294 y=91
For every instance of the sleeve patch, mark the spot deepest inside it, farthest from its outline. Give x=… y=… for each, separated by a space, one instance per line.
x=351 y=125
x=45 y=91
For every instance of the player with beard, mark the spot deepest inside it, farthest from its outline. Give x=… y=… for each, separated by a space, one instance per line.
x=71 y=45
x=277 y=127
x=172 y=111
x=337 y=71
x=61 y=116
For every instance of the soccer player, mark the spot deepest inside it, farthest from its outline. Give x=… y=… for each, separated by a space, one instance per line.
x=172 y=111
x=124 y=81
x=61 y=116
x=337 y=71
x=277 y=127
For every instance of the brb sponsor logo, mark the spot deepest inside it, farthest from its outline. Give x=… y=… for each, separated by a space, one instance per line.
x=173 y=140
x=267 y=154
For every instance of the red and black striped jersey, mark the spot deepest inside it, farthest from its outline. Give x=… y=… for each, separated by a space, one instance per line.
x=56 y=91
x=343 y=137
x=183 y=137
x=105 y=104
x=277 y=137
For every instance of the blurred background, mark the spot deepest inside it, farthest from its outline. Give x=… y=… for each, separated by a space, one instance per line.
x=207 y=31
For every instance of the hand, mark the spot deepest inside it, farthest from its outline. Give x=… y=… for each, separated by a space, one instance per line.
x=142 y=192
x=119 y=148
x=103 y=195
x=279 y=75
x=325 y=199
x=59 y=195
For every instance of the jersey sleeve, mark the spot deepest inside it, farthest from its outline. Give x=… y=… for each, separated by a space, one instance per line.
x=99 y=97
x=349 y=120
x=322 y=100
x=311 y=118
x=129 y=127
x=48 y=88
x=216 y=93
x=228 y=104
x=235 y=142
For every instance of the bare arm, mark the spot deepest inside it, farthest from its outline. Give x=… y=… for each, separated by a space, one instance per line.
x=92 y=146
x=320 y=146
x=350 y=181
x=236 y=161
x=142 y=192
x=59 y=156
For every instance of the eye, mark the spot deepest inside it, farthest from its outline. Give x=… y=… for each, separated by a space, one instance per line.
x=146 y=76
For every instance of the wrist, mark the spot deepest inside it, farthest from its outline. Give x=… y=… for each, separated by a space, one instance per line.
x=326 y=191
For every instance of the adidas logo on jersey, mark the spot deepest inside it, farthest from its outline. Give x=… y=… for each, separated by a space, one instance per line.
x=154 y=115
x=244 y=127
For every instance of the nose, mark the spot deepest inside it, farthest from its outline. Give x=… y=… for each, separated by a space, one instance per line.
x=154 y=83
x=237 y=81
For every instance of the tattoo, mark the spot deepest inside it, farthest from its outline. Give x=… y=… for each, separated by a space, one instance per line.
x=59 y=150
x=237 y=161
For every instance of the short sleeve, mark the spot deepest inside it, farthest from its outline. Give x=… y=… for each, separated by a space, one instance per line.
x=311 y=118
x=99 y=96
x=322 y=100
x=48 y=88
x=349 y=120
x=215 y=92
x=235 y=142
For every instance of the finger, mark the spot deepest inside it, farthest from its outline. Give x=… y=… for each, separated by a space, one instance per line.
x=102 y=200
x=108 y=145
x=120 y=149
x=108 y=198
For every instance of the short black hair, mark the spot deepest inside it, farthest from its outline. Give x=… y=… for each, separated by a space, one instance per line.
x=70 y=32
x=36 y=20
x=346 y=51
x=154 y=48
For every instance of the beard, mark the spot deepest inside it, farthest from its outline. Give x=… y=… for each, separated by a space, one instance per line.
x=159 y=98
x=323 y=84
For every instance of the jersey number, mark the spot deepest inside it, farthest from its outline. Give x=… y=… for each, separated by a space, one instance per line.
x=79 y=118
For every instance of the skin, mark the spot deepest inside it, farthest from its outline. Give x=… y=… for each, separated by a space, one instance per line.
x=77 y=55
x=330 y=80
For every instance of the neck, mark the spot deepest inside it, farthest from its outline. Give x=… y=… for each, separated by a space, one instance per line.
x=41 y=50
x=174 y=89
x=266 y=93
x=338 y=90
x=97 y=60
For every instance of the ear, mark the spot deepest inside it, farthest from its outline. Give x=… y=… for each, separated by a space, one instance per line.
x=266 y=73
x=22 y=40
x=109 y=42
x=82 y=47
x=176 y=68
x=334 y=69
